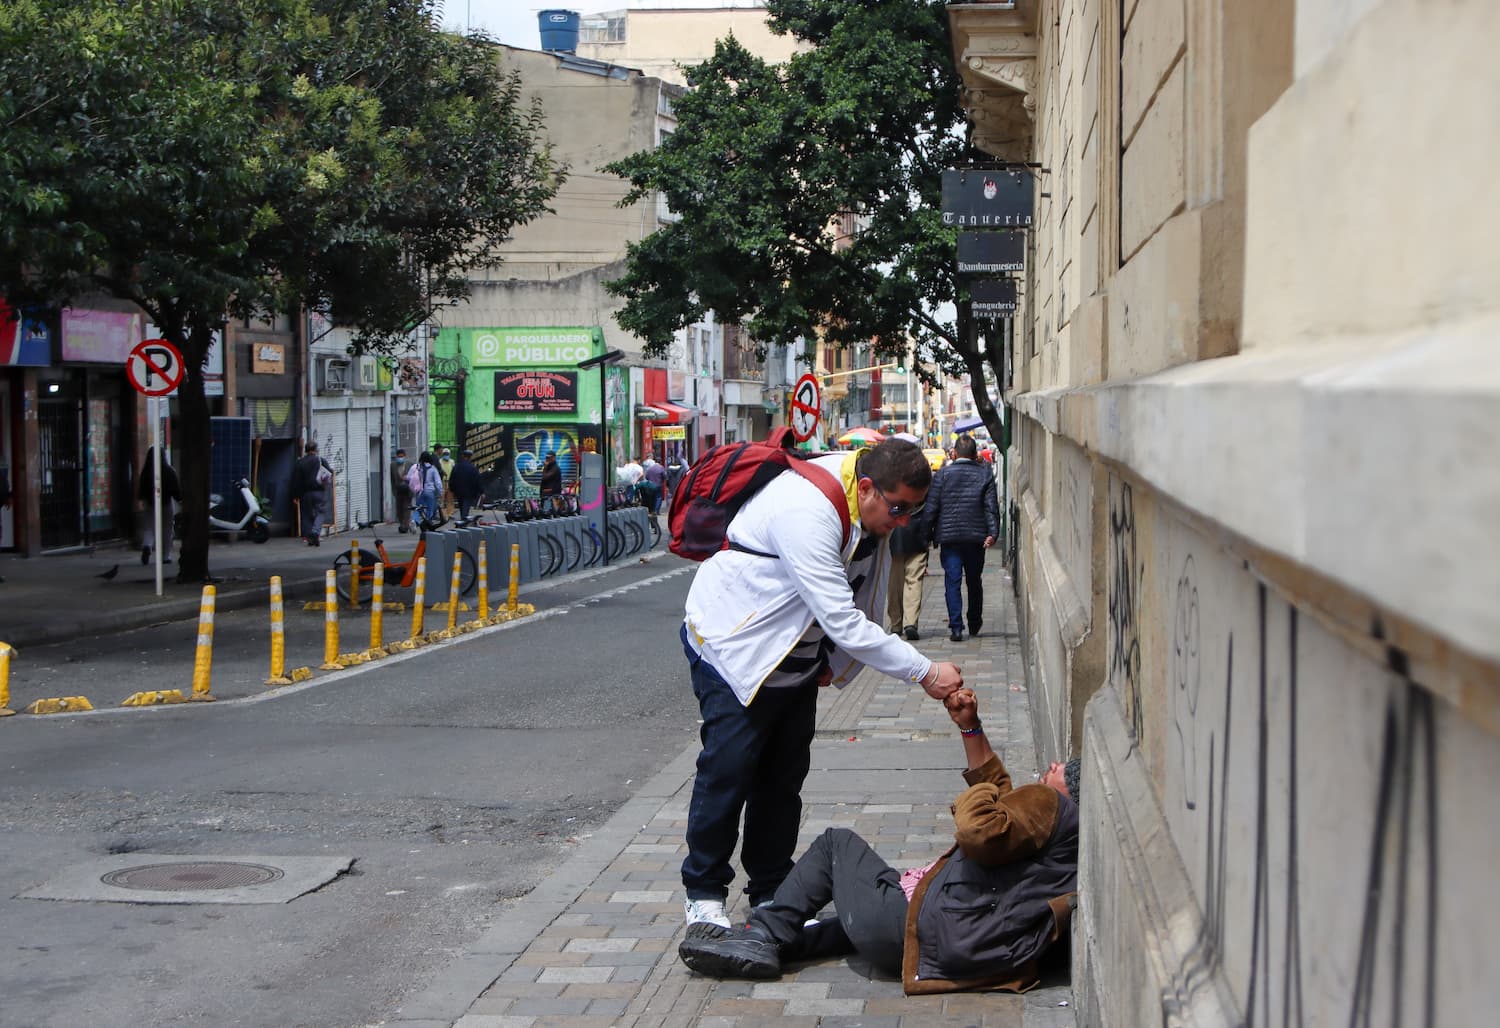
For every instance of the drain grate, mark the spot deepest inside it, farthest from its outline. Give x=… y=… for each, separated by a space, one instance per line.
x=192 y=877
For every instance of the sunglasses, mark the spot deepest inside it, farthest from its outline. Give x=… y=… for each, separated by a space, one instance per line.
x=899 y=510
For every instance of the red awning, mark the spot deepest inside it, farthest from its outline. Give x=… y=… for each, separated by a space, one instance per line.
x=677 y=413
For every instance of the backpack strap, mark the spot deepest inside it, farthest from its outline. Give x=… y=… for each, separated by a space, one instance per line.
x=831 y=488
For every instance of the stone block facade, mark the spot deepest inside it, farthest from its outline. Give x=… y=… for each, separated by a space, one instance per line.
x=1256 y=399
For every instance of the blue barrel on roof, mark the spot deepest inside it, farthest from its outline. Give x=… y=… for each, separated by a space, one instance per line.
x=559 y=30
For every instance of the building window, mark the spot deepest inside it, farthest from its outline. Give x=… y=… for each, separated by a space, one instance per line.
x=602 y=28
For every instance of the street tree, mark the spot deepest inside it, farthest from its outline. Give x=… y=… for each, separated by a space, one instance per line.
x=217 y=159
x=766 y=162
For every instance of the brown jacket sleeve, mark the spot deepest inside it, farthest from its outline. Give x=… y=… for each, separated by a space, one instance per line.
x=991 y=770
x=995 y=827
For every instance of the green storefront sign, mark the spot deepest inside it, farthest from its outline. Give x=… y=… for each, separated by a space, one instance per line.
x=496 y=391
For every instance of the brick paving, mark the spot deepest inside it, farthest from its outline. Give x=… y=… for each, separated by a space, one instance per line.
x=596 y=943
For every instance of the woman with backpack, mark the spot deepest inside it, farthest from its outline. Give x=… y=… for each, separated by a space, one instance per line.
x=426 y=483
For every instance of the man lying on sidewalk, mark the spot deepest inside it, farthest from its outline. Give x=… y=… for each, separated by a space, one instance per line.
x=980 y=917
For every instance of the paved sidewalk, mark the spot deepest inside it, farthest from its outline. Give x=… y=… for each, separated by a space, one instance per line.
x=59 y=597
x=596 y=942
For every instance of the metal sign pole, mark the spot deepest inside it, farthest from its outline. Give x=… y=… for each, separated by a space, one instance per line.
x=153 y=409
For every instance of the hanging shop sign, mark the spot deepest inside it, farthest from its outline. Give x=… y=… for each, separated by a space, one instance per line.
x=670 y=433
x=536 y=392
x=987 y=199
x=990 y=253
x=993 y=298
x=25 y=338
x=267 y=358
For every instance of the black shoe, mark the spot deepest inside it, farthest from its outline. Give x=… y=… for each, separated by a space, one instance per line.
x=957 y=637
x=912 y=633
x=145 y=555
x=747 y=952
x=973 y=631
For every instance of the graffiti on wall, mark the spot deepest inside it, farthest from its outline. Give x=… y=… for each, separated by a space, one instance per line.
x=1126 y=576
x=532 y=447
x=1394 y=953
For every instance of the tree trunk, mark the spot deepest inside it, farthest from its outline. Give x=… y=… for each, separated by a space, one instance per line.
x=192 y=447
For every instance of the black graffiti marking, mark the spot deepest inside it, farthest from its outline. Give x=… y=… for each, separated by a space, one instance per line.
x=1186 y=678
x=1393 y=894
x=1407 y=729
x=1125 y=655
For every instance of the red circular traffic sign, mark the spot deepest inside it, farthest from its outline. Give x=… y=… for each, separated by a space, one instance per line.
x=807 y=408
x=155 y=367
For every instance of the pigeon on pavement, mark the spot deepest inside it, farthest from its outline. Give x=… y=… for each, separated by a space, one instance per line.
x=110 y=574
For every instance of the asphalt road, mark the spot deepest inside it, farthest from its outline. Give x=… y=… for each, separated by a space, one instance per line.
x=456 y=779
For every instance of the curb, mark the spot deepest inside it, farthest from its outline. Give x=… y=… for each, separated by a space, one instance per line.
x=238 y=597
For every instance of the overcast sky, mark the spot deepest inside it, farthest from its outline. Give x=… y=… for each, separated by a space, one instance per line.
x=513 y=21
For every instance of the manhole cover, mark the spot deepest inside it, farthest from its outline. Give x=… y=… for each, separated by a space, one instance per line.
x=191 y=877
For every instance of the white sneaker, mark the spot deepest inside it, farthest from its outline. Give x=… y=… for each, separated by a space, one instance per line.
x=710 y=911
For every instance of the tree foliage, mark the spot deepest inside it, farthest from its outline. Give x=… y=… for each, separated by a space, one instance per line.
x=767 y=157
x=208 y=159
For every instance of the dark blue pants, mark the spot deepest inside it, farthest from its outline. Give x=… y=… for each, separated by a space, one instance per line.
x=963 y=561
x=754 y=760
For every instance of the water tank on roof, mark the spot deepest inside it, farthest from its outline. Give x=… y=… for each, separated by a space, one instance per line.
x=559 y=30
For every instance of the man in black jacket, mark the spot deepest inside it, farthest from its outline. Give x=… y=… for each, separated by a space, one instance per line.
x=465 y=483
x=965 y=515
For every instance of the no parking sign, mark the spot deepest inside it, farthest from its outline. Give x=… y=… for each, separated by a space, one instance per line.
x=807 y=408
x=154 y=367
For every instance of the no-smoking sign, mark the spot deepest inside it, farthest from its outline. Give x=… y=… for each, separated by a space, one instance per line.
x=807 y=408
x=154 y=367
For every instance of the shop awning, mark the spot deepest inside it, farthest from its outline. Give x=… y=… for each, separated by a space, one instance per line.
x=651 y=412
x=678 y=414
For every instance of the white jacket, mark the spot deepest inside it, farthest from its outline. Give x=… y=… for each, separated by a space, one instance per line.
x=746 y=612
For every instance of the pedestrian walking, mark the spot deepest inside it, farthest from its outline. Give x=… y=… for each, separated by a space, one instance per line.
x=790 y=605
x=965 y=516
x=466 y=483
x=5 y=496
x=909 y=549
x=1015 y=849
x=400 y=491
x=430 y=492
x=653 y=484
x=171 y=496
x=677 y=468
x=445 y=468
x=312 y=479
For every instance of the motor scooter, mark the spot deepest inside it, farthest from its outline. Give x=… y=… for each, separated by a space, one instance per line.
x=250 y=521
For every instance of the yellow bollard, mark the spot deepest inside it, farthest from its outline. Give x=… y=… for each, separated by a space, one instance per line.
x=354 y=574
x=515 y=576
x=5 y=652
x=278 y=636
x=203 y=659
x=331 y=622
x=453 y=601
x=484 y=587
x=377 y=612
x=419 y=601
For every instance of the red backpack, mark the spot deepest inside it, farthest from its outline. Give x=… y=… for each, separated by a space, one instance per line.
x=715 y=489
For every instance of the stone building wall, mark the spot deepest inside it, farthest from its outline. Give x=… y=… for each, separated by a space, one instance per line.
x=1257 y=410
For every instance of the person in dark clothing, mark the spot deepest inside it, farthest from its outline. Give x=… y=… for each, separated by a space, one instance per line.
x=4 y=493
x=171 y=496
x=465 y=483
x=909 y=546
x=401 y=492
x=677 y=469
x=965 y=516
x=653 y=484
x=312 y=478
x=979 y=917
x=552 y=483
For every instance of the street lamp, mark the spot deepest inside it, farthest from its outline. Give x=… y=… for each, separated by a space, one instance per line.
x=601 y=362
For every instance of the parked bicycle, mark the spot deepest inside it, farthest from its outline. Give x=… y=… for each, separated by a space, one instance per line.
x=403 y=573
